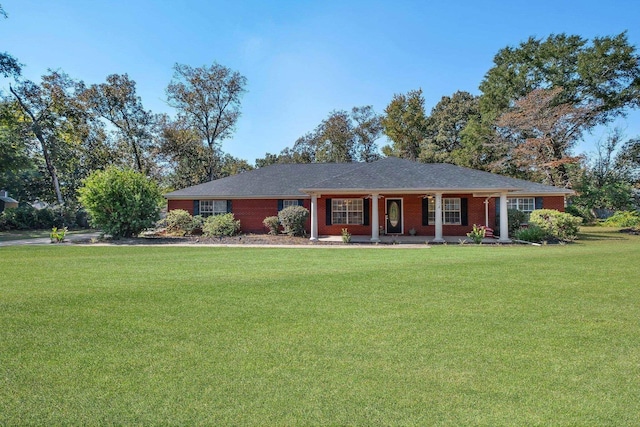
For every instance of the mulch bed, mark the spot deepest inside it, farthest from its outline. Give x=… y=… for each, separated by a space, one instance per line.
x=634 y=230
x=244 y=239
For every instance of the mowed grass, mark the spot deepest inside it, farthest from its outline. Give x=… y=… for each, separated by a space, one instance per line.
x=448 y=335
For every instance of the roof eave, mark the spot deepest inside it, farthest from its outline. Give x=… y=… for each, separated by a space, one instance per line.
x=226 y=196
x=406 y=190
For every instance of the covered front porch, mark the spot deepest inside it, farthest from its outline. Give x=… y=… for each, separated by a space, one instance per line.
x=393 y=217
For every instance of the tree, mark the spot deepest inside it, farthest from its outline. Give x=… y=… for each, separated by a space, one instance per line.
x=604 y=73
x=367 y=130
x=50 y=116
x=606 y=180
x=539 y=134
x=120 y=202
x=208 y=99
x=342 y=137
x=9 y=66
x=405 y=124
x=181 y=147
x=444 y=138
x=233 y=166
x=335 y=139
x=13 y=150
x=116 y=101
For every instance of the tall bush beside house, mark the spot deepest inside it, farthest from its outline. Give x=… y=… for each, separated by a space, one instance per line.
x=121 y=202
x=180 y=221
x=273 y=224
x=516 y=219
x=555 y=224
x=221 y=225
x=294 y=219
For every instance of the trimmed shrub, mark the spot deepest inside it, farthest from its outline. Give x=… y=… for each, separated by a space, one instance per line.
x=180 y=221
x=122 y=203
x=582 y=212
x=532 y=234
x=623 y=219
x=24 y=217
x=555 y=224
x=273 y=224
x=516 y=219
x=294 y=219
x=221 y=225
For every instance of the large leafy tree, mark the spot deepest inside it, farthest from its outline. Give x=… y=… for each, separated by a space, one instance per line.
x=335 y=139
x=607 y=178
x=182 y=150
x=116 y=102
x=444 y=141
x=538 y=136
x=53 y=119
x=405 y=124
x=342 y=137
x=603 y=73
x=14 y=154
x=601 y=76
x=367 y=130
x=208 y=99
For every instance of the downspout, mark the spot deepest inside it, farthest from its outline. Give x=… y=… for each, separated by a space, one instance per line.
x=486 y=212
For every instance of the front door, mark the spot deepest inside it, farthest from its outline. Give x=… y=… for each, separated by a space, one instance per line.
x=394 y=216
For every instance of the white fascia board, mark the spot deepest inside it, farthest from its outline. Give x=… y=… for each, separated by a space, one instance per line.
x=406 y=190
x=227 y=197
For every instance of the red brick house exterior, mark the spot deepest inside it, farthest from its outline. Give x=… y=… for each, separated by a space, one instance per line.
x=392 y=196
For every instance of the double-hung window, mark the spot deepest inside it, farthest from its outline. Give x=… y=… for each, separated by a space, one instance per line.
x=288 y=203
x=523 y=204
x=347 y=211
x=451 y=211
x=213 y=207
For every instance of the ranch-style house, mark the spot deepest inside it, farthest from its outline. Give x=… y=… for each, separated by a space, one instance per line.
x=390 y=196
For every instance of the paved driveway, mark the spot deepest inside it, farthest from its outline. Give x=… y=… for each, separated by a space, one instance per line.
x=47 y=241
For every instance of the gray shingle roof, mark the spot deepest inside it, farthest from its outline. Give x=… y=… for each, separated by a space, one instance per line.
x=270 y=181
x=388 y=174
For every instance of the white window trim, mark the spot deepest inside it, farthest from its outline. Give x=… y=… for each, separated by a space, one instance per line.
x=215 y=207
x=519 y=207
x=289 y=202
x=335 y=202
x=432 y=209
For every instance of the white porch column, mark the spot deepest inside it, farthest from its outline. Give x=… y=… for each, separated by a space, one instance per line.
x=314 y=218
x=504 y=220
x=375 y=225
x=438 y=238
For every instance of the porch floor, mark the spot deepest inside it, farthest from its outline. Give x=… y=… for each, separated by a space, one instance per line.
x=402 y=239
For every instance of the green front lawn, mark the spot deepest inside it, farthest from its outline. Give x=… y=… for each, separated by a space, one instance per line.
x=448 y=335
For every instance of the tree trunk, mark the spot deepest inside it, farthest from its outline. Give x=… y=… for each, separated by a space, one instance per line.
x=47 y=159
x=37 y=131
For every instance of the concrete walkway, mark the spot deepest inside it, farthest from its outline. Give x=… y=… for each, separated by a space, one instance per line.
x=405 y=240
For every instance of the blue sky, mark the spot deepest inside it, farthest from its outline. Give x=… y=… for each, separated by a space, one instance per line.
x=302 y=59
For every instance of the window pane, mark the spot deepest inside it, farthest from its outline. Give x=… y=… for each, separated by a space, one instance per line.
x=450 y=211
x=347 y=211
x=287 y=203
